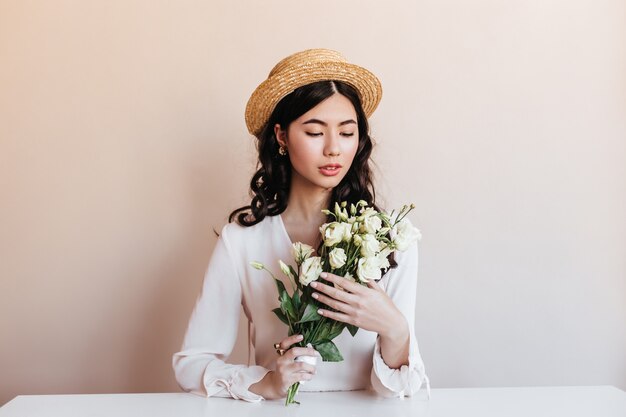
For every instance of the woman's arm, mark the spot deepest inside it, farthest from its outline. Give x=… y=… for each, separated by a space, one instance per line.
x=394 y=346
x=387 y=378
x=200 y=366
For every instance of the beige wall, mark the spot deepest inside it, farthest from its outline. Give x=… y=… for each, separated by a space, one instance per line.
x=122 y=145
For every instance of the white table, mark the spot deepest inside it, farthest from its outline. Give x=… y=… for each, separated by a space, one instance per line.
x=595 y=401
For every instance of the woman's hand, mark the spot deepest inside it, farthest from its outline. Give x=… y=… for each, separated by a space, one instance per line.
x=369 y=308
x=275 y=384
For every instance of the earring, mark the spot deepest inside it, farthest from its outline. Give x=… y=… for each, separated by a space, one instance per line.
x=282 y=151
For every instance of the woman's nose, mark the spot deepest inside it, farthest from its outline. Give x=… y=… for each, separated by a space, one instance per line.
x=331 y=147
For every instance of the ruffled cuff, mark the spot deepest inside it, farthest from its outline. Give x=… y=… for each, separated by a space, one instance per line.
x=237 y=385
x=405 y=381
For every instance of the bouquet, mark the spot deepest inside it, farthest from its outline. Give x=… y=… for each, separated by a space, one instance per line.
x=356 y=246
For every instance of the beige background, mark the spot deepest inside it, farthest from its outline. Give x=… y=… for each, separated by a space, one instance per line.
x=122 y=145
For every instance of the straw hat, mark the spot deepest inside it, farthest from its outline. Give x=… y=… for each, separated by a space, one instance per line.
x=303 y=68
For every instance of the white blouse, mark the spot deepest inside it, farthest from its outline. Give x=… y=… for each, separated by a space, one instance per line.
x=230 y=282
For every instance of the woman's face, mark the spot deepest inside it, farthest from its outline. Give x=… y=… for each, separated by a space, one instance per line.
x=322 y=143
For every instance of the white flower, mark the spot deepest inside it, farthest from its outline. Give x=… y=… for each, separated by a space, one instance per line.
x=406 y=235
x=371 y=224
x=310 y=270
x=337 y=258
x=368 y=212
x=301 y=251
x=383 y=262
x=369 y=246
x=347 y=232
x=331 y=233
x=348 y=277
x=368 y=269
x=385 y=251
x=335 y=232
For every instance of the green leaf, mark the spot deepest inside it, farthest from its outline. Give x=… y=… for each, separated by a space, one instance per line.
x=324 y=331
x=280 y=286
x=310 y=314
x=352 y=329
x=279 y=313
x=294 y=273
x=296 y=301
x=287 y=307
x=336 y=329
x=329 y=351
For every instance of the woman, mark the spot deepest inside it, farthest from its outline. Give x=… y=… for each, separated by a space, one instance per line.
x=310 y=120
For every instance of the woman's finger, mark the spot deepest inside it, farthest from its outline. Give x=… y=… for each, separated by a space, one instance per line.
x=336 y=293
x=345 y=283
x=303 y=367
x=374 y=285
x=290 y=340
x=338 y=316
x=302 y=351
x=299 y=377
x=331 y=302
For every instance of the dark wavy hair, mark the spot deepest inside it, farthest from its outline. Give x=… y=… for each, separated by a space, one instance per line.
x=269 y=187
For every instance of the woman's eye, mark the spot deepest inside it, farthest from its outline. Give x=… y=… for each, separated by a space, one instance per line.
x=344 y=134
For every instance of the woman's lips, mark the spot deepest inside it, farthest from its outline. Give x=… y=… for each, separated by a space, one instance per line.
x=330 y=170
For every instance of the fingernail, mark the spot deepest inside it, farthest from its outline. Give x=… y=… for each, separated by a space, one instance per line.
x=314 y=284
x=315 y=296
x=323 y=275
x=300 y=337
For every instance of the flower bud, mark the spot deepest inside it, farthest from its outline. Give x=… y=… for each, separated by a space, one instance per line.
x=337 y=209
x=257 y=265
x=284 y=268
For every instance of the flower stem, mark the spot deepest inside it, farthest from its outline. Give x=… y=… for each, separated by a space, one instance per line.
x=291 y=393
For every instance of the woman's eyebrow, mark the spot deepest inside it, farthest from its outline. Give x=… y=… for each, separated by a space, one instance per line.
x=320 y=122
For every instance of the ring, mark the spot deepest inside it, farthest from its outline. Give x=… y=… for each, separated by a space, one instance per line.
x=280 y=351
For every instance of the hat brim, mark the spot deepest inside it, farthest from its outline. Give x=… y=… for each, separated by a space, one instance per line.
x=267 y=95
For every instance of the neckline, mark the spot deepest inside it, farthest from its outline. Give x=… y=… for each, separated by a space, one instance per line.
x=284 y=229
x=286 y=234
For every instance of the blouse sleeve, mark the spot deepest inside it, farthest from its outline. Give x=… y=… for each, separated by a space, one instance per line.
x=407 y=380
x=200 y=366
